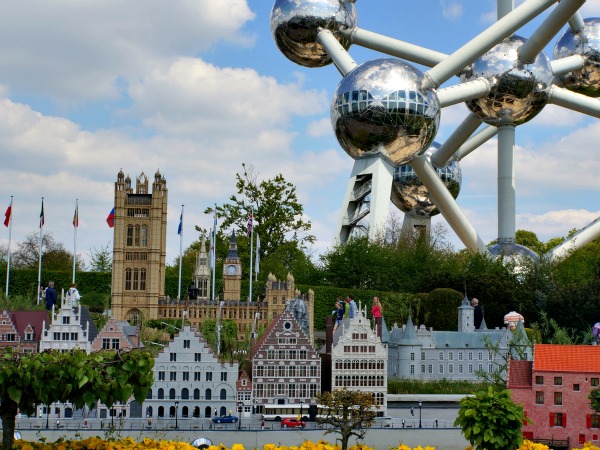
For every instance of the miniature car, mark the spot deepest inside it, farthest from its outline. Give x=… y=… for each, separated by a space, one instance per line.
x=292 y=423
x=225 y=419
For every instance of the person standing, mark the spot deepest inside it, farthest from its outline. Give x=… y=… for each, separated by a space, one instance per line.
x=477 y=313
x=339 y=314
x=377 y=312
x=50 y=296
x=73 y=296
x=353 y=308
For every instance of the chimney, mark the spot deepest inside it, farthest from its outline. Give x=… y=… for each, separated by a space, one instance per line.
x=328 y=334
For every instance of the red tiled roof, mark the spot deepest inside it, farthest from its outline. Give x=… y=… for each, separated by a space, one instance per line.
x=34 y=318
x=566 y=358
x=519 y=374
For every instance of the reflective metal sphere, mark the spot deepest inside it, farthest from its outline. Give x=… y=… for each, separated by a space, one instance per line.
x=587 y=44
x=515 y=254
x=408 y=192
x=380 y=106
x=296 y=23
x=519 y=91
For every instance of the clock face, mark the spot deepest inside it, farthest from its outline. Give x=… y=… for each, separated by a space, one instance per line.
x=231 y=270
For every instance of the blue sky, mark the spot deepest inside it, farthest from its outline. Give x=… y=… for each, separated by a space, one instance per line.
x=196 y=88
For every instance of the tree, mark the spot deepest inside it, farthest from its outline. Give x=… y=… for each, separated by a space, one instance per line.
x=594 y=399
x=350 y=413
x=107 y=376
x=54 y=255
x=491 y=420
x=278 y=216
x=101 y=259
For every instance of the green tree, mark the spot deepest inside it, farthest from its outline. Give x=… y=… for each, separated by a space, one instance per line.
x=101 y=259
x=107 y=376
x=278 y=216
x=491 y=420
x=54 y=254
x=594 y=399
x=349 y=413
x=441 y=306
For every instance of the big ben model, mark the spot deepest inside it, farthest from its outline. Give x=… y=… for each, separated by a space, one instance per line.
x=232 y=272
x=139 y=248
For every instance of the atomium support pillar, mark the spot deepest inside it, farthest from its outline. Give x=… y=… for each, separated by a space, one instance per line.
x=366 y=204
x=413 y=223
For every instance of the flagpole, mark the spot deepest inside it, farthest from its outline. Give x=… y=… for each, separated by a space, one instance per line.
x=256 y=268
x=251 y=222
x=9 y=237
x=75 y=225
x=180 y=230
x=214 y=252
x=40 y=251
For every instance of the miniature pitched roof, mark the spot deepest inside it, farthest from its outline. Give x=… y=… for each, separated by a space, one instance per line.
x=34 y=318
x=519 y=374
x=566 y=358
x=409 y=337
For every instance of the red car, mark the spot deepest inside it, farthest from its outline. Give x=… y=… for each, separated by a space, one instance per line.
x=292 y=423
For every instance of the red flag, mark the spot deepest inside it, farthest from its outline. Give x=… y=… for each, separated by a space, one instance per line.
x=7 y=214
x=110 y=220
x=76 y=217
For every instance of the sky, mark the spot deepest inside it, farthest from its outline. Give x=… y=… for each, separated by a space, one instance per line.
x=195 y=88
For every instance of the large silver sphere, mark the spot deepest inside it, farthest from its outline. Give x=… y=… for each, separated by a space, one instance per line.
x=587 y=44
x=519 y=91
x=380 y=106
x=410 y=196
x=295 y=25
x=517 y=255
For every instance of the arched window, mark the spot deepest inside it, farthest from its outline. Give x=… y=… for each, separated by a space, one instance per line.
x=184 y=411
x=161 y=411
x=185 y=394
x=127 y=279
x=207 y=412
x=223 y=411
x=136 y=236
x=149 y=395
x=129 y=235
x=196 y=394
x=134 y=317
x=172 y=394
x=136 y=279
x=223 y=395
x=161 y=394
x=208 y=394
x=196 y=412
x=149 y=411
x=144 y=235
x=142 y=279
x=172 y=411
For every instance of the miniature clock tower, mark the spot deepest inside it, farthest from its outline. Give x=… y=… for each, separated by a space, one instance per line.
x=232 y=272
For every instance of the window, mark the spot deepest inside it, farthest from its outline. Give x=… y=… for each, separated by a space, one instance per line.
x=576 y=387
x=197 y=376
x=558 y=398
x=412 y=369
x=592 y=421
x=539 y=397
x=66 y=320
x=161 y=376
x=430 y=368
x=173 y=356
x=144 y=235
x=115 y=343
x=105 y=343
x=223 y=376
x=208 y=376
x=186 y=343
x=422 y=356
x=558 y=420
x=594 y=381
x=441 y=368
x=441 y=356
x=422 y=368
x=198 y=357
x=186 y=376
x=558 y=381
x=412 y=356
x=136 y=236
x=127 y=279
x=142 y=279
x=136 y=279
x=129 y=235
x=172 y=376
x=539 y=379
x=480 y=356
x=451 y=368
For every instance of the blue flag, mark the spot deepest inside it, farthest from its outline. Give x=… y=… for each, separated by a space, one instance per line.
x=180 y=227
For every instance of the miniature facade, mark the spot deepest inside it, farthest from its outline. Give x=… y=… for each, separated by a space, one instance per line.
x=139 y=248
x=22 y=329
x=69 y=328
x=190 y=380
x=455 y=355
x=117 y=335
x=359 y=359
x=285 y=366
x=554 y=390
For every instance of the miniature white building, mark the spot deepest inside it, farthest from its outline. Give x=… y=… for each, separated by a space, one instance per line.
x=69 y=328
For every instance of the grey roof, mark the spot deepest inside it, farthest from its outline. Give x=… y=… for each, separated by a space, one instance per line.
x=86 y=318
x=385 y=333
x=409 y=337
x=455 y=339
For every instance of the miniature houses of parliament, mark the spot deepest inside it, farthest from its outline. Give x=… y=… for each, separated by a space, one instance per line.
x=139 y=255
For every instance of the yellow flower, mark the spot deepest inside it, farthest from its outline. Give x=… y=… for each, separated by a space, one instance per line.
x=237 y=447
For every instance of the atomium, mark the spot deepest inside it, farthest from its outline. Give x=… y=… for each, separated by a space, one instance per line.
x=587 y=44
x=514 y=255
x=411 y=196
x=519 y=91
x=380 y=107
x=296 y=24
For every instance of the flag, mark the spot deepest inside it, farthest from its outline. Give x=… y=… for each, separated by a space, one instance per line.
x=213 y=239
x=7 y=214
x=110 y=220
x=180 y=227
x=257 y=262
x=42 y=215
x=76 y=217
x=250 y=225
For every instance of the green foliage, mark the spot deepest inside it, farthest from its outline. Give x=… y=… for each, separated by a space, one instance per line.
x=440 y=308
x=491 y=420
x=349 y=413
x=101 y=259
x=594 y=399
x=444 y=386
x=19 y=303
x=276 y=210
x=30 y=379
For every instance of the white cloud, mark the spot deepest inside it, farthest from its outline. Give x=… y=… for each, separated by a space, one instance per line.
x=451 y=9
x=556 y=223
x=319 y=128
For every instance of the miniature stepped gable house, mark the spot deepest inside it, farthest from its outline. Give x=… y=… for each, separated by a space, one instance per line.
x=139 y=248
x=117 y=335
x=456 y=355
x=285 y=366
x=22 y=330
x=187 y=371
x=554 y=389
x=359 y=359
x=248 y=315
x=70 y=327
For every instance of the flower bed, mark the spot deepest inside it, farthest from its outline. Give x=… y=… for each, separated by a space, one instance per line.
x=95 y=443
